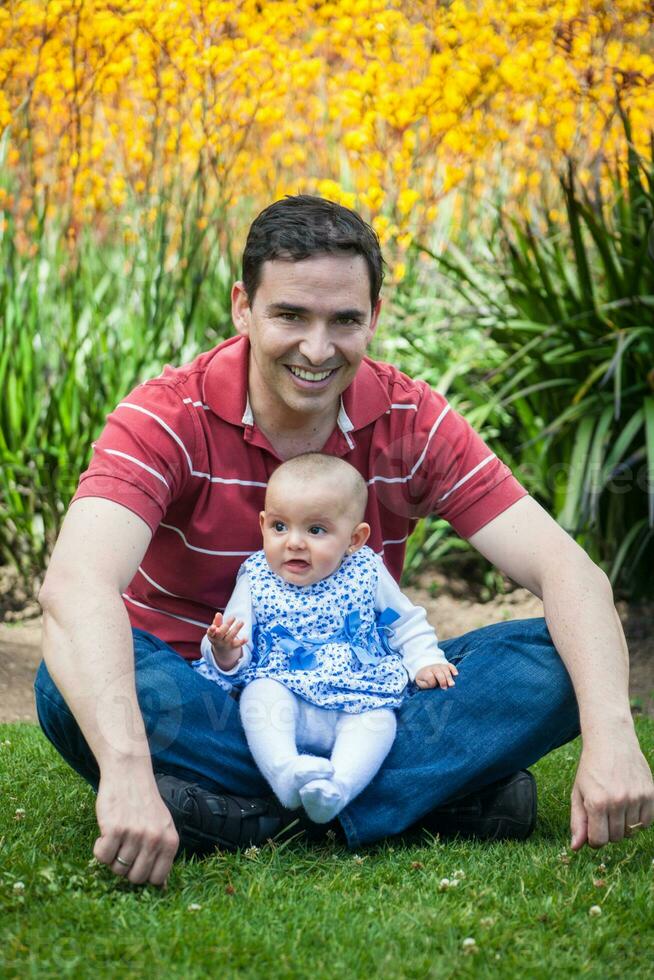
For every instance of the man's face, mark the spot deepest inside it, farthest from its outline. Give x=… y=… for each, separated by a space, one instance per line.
x=309 y=327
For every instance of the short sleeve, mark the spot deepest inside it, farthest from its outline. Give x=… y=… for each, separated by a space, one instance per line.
x=439 y=465
x=144 y=455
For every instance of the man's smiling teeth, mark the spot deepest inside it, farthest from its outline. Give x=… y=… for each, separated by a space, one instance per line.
x=310 y=375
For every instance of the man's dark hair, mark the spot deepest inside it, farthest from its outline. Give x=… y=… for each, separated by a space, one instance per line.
x=301 y=226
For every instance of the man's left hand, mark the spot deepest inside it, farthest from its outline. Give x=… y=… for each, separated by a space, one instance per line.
x=613 y=794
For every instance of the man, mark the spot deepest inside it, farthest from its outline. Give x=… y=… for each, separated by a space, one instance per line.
x=168 y=510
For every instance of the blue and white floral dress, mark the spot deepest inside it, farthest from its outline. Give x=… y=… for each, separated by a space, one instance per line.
x=329 y=643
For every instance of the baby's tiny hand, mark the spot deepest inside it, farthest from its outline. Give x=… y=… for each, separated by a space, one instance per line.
x=224 y=638
x=436 y=675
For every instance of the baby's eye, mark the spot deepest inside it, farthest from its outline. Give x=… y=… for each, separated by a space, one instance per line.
x=279 y=526
x=315 y=529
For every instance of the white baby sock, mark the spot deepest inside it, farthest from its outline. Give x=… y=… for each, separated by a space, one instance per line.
x=362 y=743
x=287 y=777
x=323 y=799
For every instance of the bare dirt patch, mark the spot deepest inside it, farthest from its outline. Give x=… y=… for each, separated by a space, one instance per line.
x=451 y=611
x=20 y=653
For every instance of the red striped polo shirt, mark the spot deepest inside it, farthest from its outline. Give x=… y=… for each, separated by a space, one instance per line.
x=183 y=452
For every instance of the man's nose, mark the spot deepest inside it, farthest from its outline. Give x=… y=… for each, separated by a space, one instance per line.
x=316 y=346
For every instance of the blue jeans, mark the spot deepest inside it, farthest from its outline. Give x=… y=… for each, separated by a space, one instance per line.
x=512 y=703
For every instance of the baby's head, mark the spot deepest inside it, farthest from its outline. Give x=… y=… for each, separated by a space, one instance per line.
x=313 y=517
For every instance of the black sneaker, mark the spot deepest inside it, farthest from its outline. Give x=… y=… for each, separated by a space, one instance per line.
x=205 y=820
x=505 y=810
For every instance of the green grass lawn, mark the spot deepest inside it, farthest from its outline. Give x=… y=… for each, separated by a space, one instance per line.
x=294 y=910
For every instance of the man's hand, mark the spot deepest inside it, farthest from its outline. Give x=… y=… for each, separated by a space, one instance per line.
x=613 y=794
x=136 y=826
x=613 y=788
x=225 y=641
x=436 y=675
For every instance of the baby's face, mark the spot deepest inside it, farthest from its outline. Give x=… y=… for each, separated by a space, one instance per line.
x=308 y=530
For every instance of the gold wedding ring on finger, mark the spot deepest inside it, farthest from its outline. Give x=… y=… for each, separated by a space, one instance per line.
x=125 y=864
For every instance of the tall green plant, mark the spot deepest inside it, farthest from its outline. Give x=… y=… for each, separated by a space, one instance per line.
x=78 y=329
x=573 y=398
x=416 y=334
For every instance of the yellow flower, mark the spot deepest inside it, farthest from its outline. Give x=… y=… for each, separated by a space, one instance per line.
x=355 y=140
x=373 y=198
x=406 y=201
x=451 y=177
x=399 y=272
x=371 y=95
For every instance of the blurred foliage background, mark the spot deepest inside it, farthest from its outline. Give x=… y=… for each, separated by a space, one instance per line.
x=502 y=151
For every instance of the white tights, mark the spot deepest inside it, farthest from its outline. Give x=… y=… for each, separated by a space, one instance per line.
x=276 y=722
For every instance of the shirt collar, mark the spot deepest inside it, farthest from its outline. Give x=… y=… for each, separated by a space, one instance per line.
x=225 y=389
x=343 y=421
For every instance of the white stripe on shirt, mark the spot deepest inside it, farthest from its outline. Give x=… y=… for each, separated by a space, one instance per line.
x=205 y=551
x=164 y=425
x=224 y=479
x=160 y=588
x=465 y=478
x=405 y=479
x=189 y=401
x=205 y=476
x=133 y=459
x=162 y=612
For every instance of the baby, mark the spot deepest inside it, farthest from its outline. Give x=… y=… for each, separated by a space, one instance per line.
x=321 y=640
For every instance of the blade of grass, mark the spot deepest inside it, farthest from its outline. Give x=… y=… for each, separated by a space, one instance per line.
x=569 y=516
x=581 y=257
x=623 y=551
x=627 y=435
x=649 y=439
x=593 y=482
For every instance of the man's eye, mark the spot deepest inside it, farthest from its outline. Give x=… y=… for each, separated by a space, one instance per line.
x=291 y=317
x=316 y=529
x=279 y=526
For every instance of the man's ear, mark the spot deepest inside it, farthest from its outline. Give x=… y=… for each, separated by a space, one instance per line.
x=360 y=535
x=374 y=319
x=240 y=309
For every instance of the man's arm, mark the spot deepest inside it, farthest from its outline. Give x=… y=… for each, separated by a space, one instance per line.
x=613 y=787
x=88 y=650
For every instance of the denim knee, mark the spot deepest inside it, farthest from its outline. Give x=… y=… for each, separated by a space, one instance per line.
x=526 y=648
x=532 y=639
